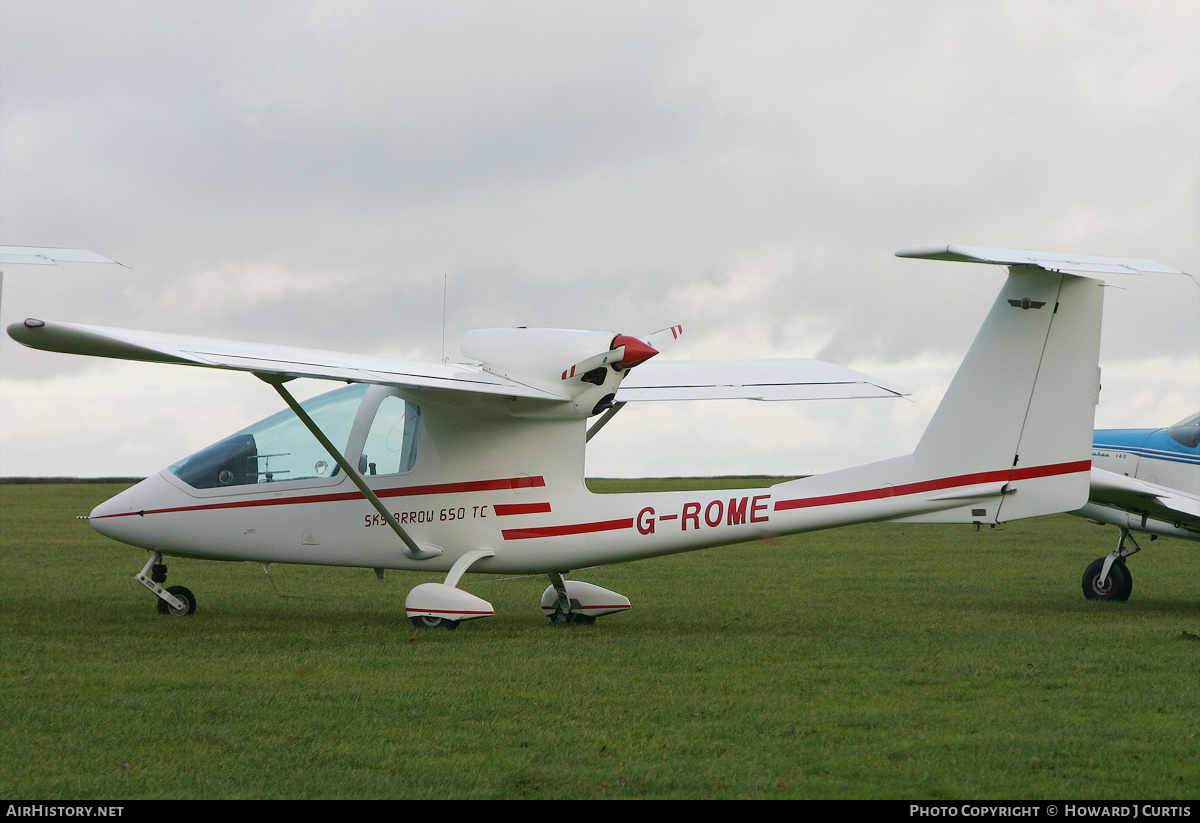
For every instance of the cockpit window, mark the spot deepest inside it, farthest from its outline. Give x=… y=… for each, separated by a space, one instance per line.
x=278 y=448
x=1186 y=432
x=391 y=446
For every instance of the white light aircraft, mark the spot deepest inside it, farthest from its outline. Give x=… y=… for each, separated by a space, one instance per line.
x=479 y=465
x=1143 y=480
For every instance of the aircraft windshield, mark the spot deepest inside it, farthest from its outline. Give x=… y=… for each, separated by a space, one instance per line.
x=1186 y=432
x=278 y=448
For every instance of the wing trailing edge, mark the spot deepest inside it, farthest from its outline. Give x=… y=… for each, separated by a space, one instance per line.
x=769 y=379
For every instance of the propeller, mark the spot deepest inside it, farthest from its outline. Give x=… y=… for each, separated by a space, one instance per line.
x=625 y=352
x=663 y=338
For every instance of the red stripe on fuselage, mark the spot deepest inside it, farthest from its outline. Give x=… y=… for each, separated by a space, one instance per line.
x=503 y=484
x=574 y=528
x=505 y=509
x=1005 y=475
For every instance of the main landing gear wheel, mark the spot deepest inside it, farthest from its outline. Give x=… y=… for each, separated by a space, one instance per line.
x=189 y=602
x=1118 y=586
x=424 y=622
x=560 y=617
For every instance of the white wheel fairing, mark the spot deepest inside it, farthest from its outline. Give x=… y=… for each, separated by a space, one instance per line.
x=442 y=602
x=590 y=599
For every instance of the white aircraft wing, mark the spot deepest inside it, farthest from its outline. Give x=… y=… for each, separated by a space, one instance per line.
x=1084 y=264
x=1159 y=502
x=262 y=358
x=773 y=379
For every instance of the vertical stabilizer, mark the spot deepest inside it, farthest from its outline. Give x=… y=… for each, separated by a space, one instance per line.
x=1021 y=408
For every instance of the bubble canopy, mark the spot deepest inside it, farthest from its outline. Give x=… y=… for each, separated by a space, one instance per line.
x=280 y=448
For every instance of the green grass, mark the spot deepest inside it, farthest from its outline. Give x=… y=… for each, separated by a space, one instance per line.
x=880 y=661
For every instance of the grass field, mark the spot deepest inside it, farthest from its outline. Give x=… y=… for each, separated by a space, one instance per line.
x=880 y=661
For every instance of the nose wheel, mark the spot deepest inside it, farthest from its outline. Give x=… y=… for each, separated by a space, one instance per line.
x=184 y=596
x=175 y=600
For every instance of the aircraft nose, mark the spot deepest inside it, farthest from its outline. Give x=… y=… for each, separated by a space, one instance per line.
x=123 y=516
x=115 y=506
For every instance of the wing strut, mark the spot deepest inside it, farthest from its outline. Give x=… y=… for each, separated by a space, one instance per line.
x=411 y=547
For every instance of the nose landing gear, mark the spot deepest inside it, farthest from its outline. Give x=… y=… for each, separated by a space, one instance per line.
x=176 y=600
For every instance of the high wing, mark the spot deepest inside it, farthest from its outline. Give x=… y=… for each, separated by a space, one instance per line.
x=1148 y=499
x=775 y=379
x=263 y=358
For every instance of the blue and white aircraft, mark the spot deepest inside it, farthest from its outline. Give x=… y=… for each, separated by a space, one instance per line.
x=1143 y=480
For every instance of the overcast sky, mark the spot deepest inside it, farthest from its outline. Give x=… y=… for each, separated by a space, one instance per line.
x=316 y=173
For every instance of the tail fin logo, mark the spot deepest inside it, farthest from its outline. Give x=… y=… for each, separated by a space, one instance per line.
x=1026 y=303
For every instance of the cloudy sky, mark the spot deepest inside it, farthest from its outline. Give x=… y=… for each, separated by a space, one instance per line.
x=316 y=174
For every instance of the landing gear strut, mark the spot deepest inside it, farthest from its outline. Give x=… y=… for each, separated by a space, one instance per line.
x=175 y=600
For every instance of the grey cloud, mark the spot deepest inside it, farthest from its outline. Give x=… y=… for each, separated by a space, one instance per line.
x=744 y=168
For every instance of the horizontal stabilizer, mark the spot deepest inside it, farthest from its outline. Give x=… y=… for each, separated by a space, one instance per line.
x=1083 y=264
x=773 y=379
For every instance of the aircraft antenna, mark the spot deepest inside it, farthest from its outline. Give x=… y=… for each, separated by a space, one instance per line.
x=445 y=280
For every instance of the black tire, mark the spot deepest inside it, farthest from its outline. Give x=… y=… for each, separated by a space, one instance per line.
x=424 y=622
x=1118 y=587
x=561 y=618
x=189 y=602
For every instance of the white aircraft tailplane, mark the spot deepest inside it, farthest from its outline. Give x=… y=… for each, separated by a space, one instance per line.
x=1011 y=437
